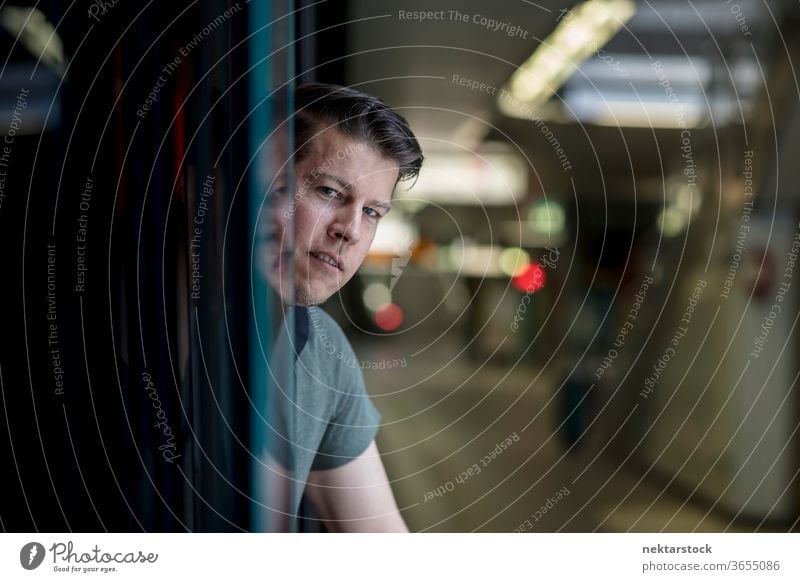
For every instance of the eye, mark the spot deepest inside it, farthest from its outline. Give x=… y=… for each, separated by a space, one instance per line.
x=276 y=192
x=328 y=192
x=372 y=212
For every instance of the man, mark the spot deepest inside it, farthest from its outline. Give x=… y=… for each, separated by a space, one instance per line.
x=351 y=151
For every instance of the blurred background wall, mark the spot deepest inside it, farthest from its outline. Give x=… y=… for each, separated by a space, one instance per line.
x=598 y=257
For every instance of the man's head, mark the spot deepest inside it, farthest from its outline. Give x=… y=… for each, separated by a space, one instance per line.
x=350 y=152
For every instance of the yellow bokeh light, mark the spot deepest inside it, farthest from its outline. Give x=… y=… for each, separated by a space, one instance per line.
x=376 y=295
x=514 y=261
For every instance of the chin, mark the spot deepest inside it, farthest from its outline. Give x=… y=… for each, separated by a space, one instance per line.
x=302 y=293
x=307 y=297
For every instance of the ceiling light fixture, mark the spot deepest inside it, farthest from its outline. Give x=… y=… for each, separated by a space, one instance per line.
x=580 y=32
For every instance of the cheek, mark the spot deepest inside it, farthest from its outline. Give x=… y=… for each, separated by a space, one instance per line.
x=360 y=253
x=310 y=221
x=368 y=237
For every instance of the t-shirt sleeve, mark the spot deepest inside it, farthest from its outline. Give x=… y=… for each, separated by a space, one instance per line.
x=353 y=424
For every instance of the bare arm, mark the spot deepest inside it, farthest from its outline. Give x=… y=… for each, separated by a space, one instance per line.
x=356 y=497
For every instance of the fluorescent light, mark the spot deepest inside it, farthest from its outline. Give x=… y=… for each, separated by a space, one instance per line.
x=657 y=91
x=32 y=29
x=581 y=32
x=623 y=110
x=467 y=178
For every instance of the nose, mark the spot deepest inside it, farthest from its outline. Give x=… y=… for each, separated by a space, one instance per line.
x=346 y=225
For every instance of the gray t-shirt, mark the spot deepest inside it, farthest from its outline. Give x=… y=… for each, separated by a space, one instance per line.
x=327 y=416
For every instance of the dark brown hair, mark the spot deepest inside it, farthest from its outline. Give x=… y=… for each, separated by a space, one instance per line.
x=359 y=116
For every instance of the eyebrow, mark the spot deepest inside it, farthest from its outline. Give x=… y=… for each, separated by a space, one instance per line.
x=341 y=181
x=386 y=205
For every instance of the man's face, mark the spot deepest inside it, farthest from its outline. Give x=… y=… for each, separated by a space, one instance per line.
x=342 y=189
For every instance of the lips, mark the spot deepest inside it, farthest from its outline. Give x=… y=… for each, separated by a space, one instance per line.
x=328 y=259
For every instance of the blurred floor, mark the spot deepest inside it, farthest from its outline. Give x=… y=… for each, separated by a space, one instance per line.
x=440 y=419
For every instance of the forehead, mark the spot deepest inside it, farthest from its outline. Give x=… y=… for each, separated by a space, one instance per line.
x=360 y=165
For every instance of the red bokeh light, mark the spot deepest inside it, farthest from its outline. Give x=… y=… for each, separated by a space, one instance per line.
x=389 y=317
x=531 y=279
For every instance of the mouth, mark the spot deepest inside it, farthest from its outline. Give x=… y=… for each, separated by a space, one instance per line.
x=329 y=260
